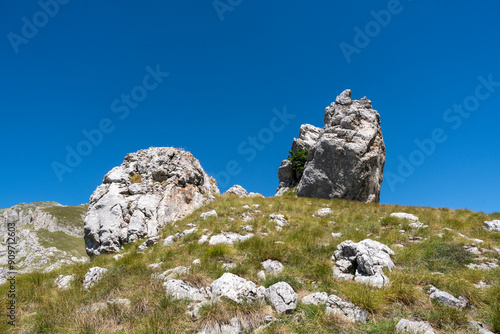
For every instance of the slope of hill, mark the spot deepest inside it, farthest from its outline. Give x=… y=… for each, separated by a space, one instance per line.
x=454 y=253
x=47 y=234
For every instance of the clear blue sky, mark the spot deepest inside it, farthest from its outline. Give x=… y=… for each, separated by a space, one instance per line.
x=74 y=66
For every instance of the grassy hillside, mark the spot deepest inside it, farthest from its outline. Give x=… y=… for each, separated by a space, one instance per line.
x=304 y=248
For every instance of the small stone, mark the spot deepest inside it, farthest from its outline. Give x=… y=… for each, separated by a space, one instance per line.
x=414 y=327
x=272 y=267
x=324 y=212
x=169 y=241
x=64 y=282
x=282 y=297
x=197 y=261
x=315 y=298
x=205 y=215
x=402 y=215
x=92 y=276
x=493 y=225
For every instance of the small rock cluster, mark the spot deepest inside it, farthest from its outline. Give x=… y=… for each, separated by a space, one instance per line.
x=363 y=262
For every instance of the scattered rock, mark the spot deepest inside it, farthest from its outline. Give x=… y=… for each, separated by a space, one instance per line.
x=197 y=261
x=228 y=238
x=414 y=327
x=148 y=243
x=347 y=159
x=336 y=235
x=228 y=265
x=324 y=212
x=272 y=267
x=252 y=194
x=155 y=265
x=188 y=232
x=117 y=256
x=447 y=299
x=493 y=225
x=120 y=302
x=363 y=262
x=64 y=282
x=479 y=327
x=169 y=241
x=402 y=215
x=183 y=290
x=315 y=298
x=92 y=276
x=172 y=273
x=149 y=189
x=248 y=228
x=417 y=225
x=205 y=215
x=280 y=220
x=93 y=308
x=261 y=275
x=335 y=305
x=482 y=266
x=473 y=250
x=282 y=297
x=237 y=190
x=203 y=239
x=246 y=217
x=236 y=288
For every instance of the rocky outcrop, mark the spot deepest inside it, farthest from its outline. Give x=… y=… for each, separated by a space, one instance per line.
x=237 y=190
x=346 y=158
x=149 y=189
x=338 y=306
x=493 y=225
x=405 y=326
x=48 y=235
x=308 y=135
x=447 y=299
x=363 y=262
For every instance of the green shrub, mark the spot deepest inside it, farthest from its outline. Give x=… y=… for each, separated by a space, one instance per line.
x=298 y=159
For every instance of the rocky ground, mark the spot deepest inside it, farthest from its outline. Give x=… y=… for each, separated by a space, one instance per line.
x=48 y=235
x=281 y=265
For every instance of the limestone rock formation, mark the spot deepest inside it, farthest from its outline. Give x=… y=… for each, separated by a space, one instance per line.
x=48 y=235
x=405 y=326
x=237 y=190
x=351 y=312
x=308 y=135
x=282 y=297
x=346 y=158
x=149 y=189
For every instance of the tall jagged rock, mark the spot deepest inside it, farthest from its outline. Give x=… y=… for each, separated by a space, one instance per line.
x=149 y=189
x=347 y=159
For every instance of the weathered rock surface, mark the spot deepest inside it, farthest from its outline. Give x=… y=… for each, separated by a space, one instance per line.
x=93 y=276
x=205 y=215
x=405 y=326
x=272 y=267
x=228 y=238
x=315 y=298
x=493 y=225
x=237 y=190
x=149 y=189
x=403 y=215
x=282 y=297
x=64 y=282
x=44 y=233
x=338 y=306
x=324 y=212
x=346 y=158
x=363 y=262
x=447 y=299
x=179 y=289
x=308 y=135
x=236 y=288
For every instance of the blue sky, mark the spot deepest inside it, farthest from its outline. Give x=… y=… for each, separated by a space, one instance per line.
x=233 y=80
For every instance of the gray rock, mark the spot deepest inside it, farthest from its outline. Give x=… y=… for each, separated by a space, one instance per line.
x=64 y=282
x=248 y=228
x=236 y=288
x=228 y=238
x=365 y=259
x=282 y=297
x=179 y=289
x=324 y=212
x=173 y=184
x=493 y=225
x=482 y=266
x=237 y=190
x=447 y=299
x=315 y=298
x=120 y=302
x=252 y=194
x=280 y=221
x=172 y=273
x=261 y=275
x=189 y=231
x=92 y=276
x=402 y=215
x=348 y=158
x=335 y=305
x=414 y=327
x=148 y=243
x=479 y=327
x=286 y=177
x=205 y=215
x=169 y=241
x=272 y=267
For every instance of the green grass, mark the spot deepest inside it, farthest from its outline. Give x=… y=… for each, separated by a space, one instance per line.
x=72 y=215
x=304 y=247
x=61 y=241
